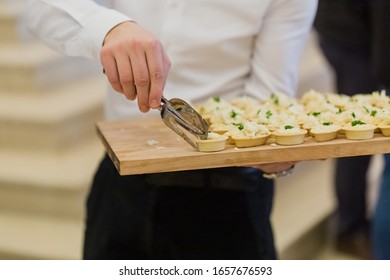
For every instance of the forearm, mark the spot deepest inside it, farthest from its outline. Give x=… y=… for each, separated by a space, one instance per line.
x=133 y=59
x=72 y=27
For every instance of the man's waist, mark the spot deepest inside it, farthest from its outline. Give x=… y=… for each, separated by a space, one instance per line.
x=233 y=178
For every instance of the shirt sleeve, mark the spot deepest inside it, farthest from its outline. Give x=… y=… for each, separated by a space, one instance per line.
x=72 y=27
x=279 y=46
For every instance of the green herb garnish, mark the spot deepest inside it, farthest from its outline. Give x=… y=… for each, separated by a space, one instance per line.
x=288 y=126
x=216 y=98
x=326 y=123
x=373 y=113
x=268 y=114
x=357 y=122
x=233 y=114
x=240 y=126
x=275 y=98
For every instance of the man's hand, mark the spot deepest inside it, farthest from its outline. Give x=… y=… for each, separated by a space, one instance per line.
x=275 y=167
x=136 y=64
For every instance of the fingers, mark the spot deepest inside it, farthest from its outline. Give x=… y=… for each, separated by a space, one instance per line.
x=275 y=167
x=118 y=69
x=140 y=74
x=126 y=79
x=111 y=71
x=158 y=65
x=150 y=65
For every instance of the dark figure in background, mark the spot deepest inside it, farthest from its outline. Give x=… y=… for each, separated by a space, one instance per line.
x=355 y=38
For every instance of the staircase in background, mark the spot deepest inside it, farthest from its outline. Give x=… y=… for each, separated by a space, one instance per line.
x=48 y=146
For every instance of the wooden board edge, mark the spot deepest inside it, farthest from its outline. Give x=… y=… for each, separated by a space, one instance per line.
x=290 y=153
x=108 y=149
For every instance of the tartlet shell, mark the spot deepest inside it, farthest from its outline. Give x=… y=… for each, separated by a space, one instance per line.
x=212 y=145
x=290 y=139
x=250 y=142
x=385 y=129
x=325 y=136
x=359 y=134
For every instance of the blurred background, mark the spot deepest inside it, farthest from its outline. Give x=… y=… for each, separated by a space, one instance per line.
x=49 y=150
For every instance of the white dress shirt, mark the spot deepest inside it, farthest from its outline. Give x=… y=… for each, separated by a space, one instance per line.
x=217 y=47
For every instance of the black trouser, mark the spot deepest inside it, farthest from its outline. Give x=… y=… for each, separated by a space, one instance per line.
x=353 y=75
x=218 y=213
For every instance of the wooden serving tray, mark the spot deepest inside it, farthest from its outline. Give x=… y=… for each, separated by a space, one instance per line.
x=147 y=145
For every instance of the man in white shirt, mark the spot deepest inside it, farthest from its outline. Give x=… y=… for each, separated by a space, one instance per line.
x=204 y=48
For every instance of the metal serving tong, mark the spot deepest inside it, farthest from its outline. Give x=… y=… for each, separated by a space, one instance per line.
x=183 y=119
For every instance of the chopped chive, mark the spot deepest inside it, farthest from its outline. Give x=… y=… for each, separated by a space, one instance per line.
x=233 y=114
x=240 y=126
x=357 y=122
